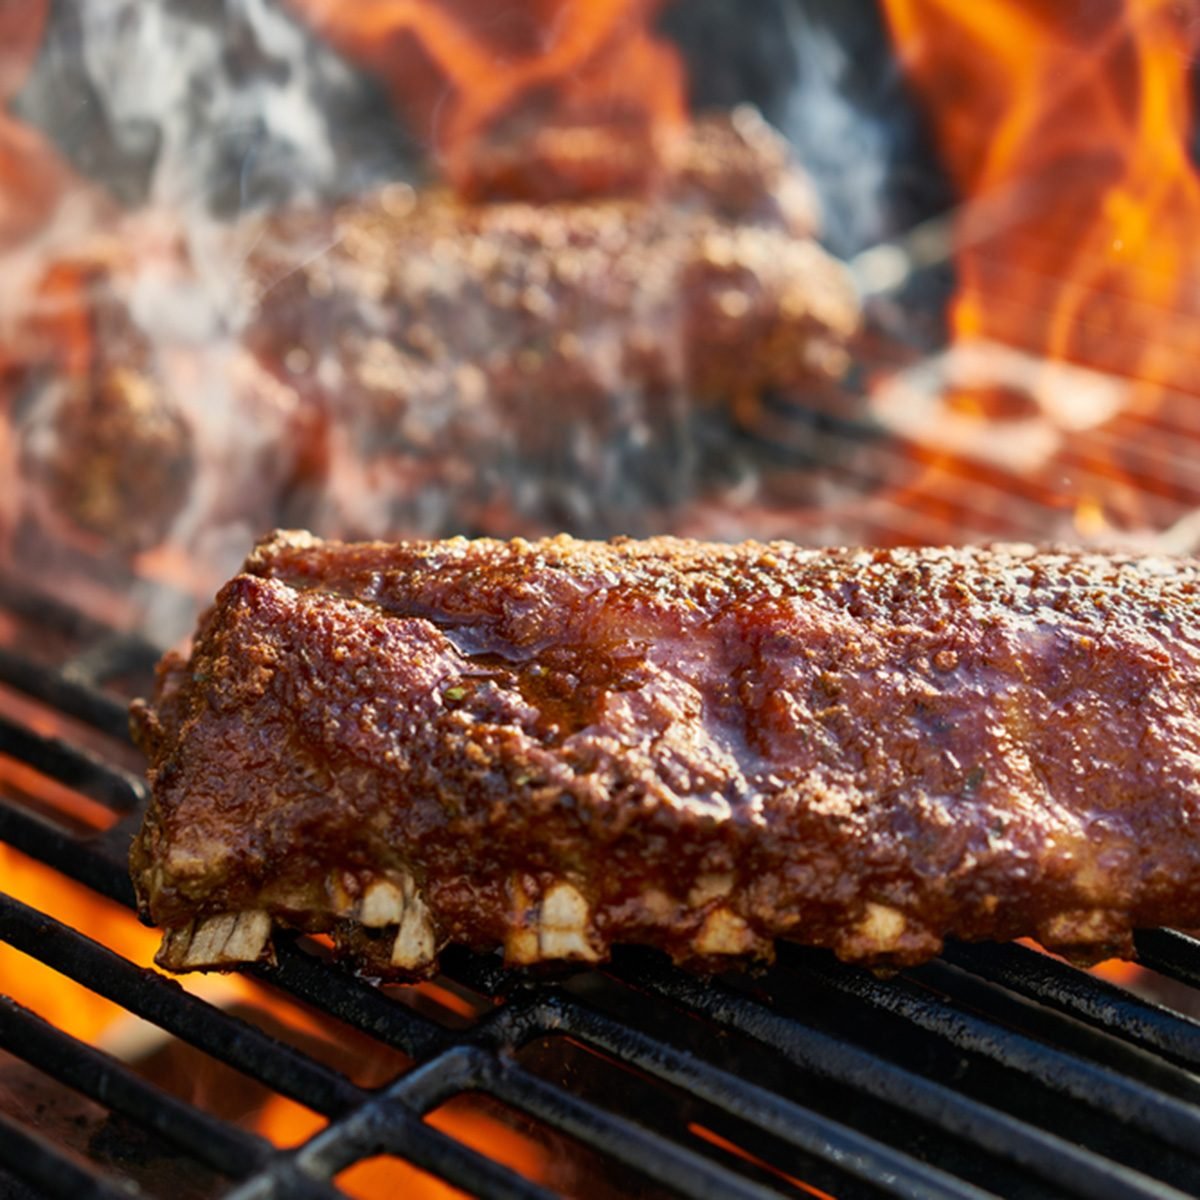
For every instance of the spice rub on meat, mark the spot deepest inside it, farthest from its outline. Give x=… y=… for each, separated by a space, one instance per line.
x=557 y=746
x=517 y=367
x=410 y=362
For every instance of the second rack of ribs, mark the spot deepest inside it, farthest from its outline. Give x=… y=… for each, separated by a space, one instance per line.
x=408 y=363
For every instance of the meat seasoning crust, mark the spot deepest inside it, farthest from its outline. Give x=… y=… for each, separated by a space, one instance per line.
x=557 y=746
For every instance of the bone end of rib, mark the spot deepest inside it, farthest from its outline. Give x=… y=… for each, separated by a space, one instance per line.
x=521 y=947
x=415 y=947
x=563 y=924
x=882 y=927
x=521 y=938
x=221 y=941
x=384 y=903
x=557 y=927
x=396 y=903
x=724 y=932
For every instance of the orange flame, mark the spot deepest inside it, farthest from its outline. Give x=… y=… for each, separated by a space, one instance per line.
x=723 y=1143
x=67 y=1005
x=1066 y=128
x=547 y=98
x=33 y=178
x=385 y=1175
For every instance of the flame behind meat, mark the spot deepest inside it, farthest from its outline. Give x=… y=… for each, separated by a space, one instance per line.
x=585 y=89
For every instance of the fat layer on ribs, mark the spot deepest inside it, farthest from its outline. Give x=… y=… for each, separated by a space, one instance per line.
x=556 y=746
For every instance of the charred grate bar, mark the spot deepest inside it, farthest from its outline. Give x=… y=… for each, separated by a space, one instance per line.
x=44 y=1166
x=995 y=1071
x=1100 y=1004
x=221 y=1146
x=1073 y=1170
x=73 y=768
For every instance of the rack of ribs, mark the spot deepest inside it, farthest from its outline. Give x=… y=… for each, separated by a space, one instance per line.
x=558 y=746
x=409 y=362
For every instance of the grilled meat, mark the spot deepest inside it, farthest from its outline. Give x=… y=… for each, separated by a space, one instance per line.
x=572 y=346
x=105 y=453
x=116 y=443
x=412 y=363
x=561 y=745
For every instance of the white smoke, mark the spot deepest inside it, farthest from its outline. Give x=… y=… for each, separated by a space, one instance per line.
x=844 y=149
x=203 y=116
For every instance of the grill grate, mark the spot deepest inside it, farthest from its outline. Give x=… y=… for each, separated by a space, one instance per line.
x=994 y=1071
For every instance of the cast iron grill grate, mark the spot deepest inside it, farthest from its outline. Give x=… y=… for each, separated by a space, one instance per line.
x=994 y=1071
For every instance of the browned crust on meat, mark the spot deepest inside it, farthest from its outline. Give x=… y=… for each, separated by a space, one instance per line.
x=558 y=746
x=411 y=363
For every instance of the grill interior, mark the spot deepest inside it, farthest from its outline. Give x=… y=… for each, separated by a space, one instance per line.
x=993 y=1071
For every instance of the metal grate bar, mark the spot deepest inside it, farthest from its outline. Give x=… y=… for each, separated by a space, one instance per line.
x=541 y=1013
x=115 y=654
x=1170 y=953
x=1072 y=1168
x=49 y=612
x=961 y=990
x=223 y=1147
x=74 y=696
x=519 y=1022
x=44 y=1166
x=1070 y=991
x=554 y=1013
x=72 y=767
x=392 y=1123
x=803 y=1128
x=356 y=1003
x=793 y=1124
x=282 y=1180
x=287 y=1183
x=651 y=1154
x=77 y=858
x=411 y=1139
x=162 y=1002
x=1174 y=1122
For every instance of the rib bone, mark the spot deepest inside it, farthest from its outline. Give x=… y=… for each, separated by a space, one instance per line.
x=384 y=903
x=397 y=902
x=724 y=932
x=416 y=945
x=555 y=928
x=882 y=927
x=221 y=941
x=521 y=940
x=563 y=923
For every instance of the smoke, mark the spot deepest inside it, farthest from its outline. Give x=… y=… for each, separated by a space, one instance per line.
x=824 y=73
x=374 y=366
x=208 y=106
x=845 y=147
x=133 y=416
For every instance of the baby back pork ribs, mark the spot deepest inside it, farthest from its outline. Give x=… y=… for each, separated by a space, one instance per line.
x=515 y=366
x=412 y=363
x=557 y=746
